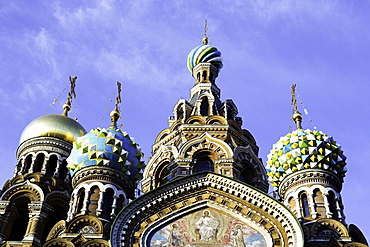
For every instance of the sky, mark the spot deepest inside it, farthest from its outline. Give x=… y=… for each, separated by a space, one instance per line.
x=320 y=45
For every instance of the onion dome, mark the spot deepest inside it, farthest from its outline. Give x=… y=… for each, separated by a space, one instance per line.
x=107 y=147
x=204 y=54
x=304 y=149
x=58 y=126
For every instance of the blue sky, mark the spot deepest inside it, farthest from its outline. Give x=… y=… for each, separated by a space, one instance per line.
x=322 y=46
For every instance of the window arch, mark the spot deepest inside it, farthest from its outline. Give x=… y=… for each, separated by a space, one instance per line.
x=93 y=200
x=80 y=200
x=27 y=163
x=204 y=106
x=248 y=174
x=204 y=75
x=52 y=164
x=63 y=170
x=39 y=162
x=20 y=221
x=108 y=202
x=304 y=204
x=319 y=202
x=180 y=112
x=332 y=204
x=163 y=174
x=202 y=161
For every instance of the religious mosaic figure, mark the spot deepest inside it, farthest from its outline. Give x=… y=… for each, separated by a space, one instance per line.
x=207 y=227
x=176 y=238
x=237 y=238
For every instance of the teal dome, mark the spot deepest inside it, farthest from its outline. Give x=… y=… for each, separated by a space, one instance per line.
x=304 y=149
x=107 y=147
x=204 y=54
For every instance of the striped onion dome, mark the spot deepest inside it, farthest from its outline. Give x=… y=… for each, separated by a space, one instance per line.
x=204 y=54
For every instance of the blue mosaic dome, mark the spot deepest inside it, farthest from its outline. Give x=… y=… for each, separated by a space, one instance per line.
x=107 y=147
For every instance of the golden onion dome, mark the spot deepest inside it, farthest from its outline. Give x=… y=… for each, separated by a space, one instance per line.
x=58 y=126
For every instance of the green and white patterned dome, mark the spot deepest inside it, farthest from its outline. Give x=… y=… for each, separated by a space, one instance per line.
x=304 y=149
x=107 y=147
x=204 y=54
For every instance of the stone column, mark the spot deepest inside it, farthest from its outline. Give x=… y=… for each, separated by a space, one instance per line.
x=37 y=219
x=86 y=202
x=100 y=203
x=298 y=208
x=311 y=204
x=72 y=207
x=114 y=206
x=43 y=169
x=32 y=164
x=56 y=173
x=326 y=203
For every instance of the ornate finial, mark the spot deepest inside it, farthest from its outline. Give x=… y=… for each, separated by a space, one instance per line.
x=115 y=115
x=205 y=38
x=297 y=116
x=71 y=95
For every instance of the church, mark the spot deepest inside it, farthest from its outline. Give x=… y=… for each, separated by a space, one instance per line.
x=204 y=185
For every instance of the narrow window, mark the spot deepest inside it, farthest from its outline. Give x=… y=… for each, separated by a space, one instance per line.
x=305 y=208
x=204 y=107
x=203 y=162
x=332 y=205
x=81 y=199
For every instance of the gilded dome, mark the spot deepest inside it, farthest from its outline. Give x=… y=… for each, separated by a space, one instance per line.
x=58 y=126
x=204 y=54
x=304 y=149
x=107 y=147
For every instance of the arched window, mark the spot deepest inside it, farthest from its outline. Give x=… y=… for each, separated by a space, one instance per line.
x=39 y=162
x=52 y=164
x=163 y=174
x=20 y=221
x=180 y=112
x=204 y=107
x=60 y=209
x=204 y=74
x=119 y=203
x=202 y=161
x=332 y=204
x=63 y=170
x=198 y=76
x=27 y=163
x=248 y=175
x=93 y=200
x=108 y=203
x=80 y=200
x=211 y=77
x=305 y=208
x=319 y=203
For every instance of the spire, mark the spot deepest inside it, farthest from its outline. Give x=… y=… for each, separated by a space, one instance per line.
x=115 y=115
x=297 y=116
x=71 y=94
x=205 y=38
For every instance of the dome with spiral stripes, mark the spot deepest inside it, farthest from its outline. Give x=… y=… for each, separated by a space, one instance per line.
x=204 y=54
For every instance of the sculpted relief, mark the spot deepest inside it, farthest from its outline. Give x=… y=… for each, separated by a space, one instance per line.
x=207 y=228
